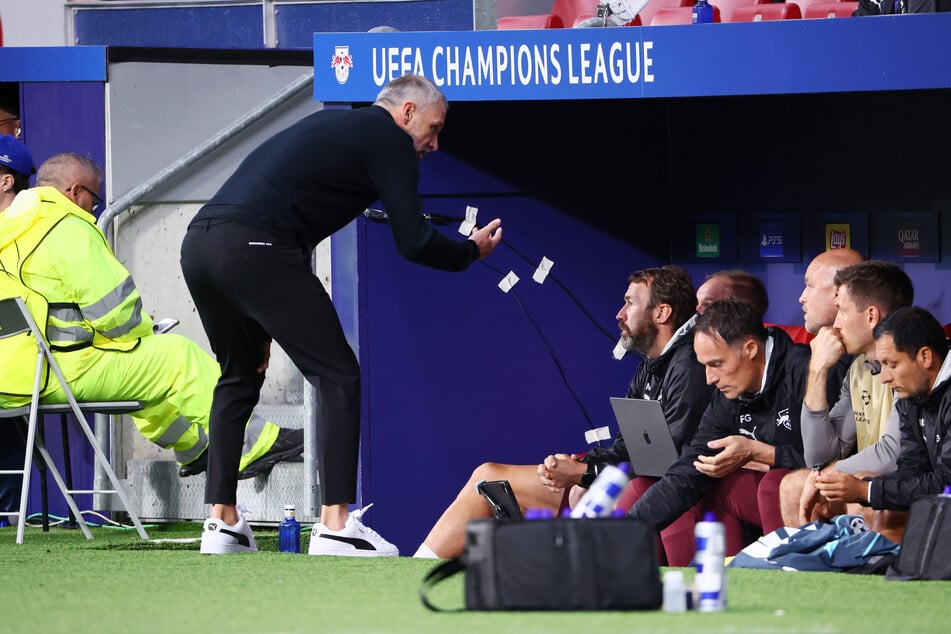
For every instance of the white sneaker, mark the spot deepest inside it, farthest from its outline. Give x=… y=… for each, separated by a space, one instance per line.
x=353 y=540
x=219 y=538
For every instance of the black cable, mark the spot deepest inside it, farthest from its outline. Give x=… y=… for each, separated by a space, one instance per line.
x=551 y=350
x=380 y=216
x=567 y=292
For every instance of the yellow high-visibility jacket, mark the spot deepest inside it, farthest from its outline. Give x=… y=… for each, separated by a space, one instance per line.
x=93 y=301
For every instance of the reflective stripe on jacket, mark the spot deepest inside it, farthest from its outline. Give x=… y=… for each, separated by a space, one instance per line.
x=55 y=247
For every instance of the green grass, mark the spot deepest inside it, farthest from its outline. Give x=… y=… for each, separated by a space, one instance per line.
x=60 y=582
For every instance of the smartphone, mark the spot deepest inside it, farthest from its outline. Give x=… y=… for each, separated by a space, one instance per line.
x=501 y=498
x=163 y=326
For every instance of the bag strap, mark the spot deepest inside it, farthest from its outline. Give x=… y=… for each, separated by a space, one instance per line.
x=440 y=573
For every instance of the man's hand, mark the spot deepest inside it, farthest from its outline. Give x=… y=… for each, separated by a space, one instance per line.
x=827 y=348
x=487 y=238
x=836 y=486
x=812 y=506
x=737 y=451
x=561 y=470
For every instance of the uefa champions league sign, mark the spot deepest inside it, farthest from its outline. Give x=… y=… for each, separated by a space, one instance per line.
x=782 y=56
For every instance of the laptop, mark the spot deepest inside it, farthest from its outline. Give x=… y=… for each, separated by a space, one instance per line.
x=644 y=428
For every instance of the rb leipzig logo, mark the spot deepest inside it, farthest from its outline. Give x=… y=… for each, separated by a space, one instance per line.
x=342 y=62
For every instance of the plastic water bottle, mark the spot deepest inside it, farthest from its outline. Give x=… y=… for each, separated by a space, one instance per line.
x=702 y=12
x=604 y=492
x=710 y=579
x=675 y=592
x=289 y=534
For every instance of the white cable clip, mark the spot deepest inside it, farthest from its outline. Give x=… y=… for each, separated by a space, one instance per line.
x=543 y=269
x=619 y=349
x=508 y=282
x=470 y=222
x=594 y=435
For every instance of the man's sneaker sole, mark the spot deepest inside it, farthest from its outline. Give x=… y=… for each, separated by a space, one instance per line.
x=211 y=548
x=345 y=547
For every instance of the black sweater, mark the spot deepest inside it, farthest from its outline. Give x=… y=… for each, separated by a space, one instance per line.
x=313 y=178
x=771 y=416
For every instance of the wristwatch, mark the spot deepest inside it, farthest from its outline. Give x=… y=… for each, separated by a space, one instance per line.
x=594 y=468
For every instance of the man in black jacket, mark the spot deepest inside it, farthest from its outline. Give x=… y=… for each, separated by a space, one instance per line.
x=246 y=259
x=655 y=320
x=750 y=426
x=911 y=346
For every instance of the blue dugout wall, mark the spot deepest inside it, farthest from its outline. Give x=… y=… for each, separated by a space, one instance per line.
x=609 y=148
x=602 y=180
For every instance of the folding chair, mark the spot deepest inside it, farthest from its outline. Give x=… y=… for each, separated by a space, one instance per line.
x=15 y=319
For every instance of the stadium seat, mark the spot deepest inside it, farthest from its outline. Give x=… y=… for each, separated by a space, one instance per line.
x=798 y=334
x=678 y=15
x=728 y=6
x=564 y=14
x=830 y=10
x=653 y=6
x=804 y=4
x=762 y=12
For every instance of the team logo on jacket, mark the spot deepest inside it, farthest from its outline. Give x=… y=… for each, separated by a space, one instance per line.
x=782 y=419
x=342 y=62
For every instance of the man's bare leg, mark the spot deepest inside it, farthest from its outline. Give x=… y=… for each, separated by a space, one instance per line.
x=790 y=492
x=447 y=537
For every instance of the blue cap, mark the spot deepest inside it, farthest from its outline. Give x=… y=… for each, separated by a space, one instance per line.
x=15 y=155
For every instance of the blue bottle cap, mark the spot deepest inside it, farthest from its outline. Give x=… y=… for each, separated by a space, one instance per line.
x=539 y=514
x=709 y=516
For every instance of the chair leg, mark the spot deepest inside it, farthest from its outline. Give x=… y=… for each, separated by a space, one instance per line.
x=27 y=470
x=41 y=468
x=67 y=493
x=67 y=465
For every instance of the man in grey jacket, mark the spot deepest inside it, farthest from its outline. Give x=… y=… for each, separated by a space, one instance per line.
x=864 y=418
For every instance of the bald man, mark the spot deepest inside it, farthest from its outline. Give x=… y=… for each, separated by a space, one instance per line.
x=818 y=295
x=864 y=418
x=819 y=310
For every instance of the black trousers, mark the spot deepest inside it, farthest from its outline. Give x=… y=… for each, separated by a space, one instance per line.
x=249 y=287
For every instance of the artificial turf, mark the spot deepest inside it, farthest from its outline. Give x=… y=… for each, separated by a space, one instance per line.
x=60 y=582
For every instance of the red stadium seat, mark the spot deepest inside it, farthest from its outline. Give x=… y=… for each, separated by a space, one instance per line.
x=728 y=6
x=798 y=334
x=830 y=10
x=762 y=12
x=805 y=4
x=678 y=15
x=653 y=6
x=564 y=14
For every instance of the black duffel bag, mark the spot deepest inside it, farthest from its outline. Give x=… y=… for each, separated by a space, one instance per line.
x=555 y=564
x=926 y=544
